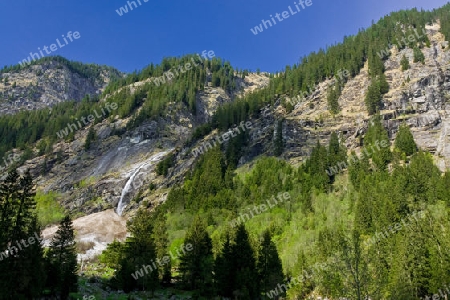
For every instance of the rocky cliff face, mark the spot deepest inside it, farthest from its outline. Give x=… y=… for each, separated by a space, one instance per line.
x=121 y=169
x=418 y=96
x=49 y=82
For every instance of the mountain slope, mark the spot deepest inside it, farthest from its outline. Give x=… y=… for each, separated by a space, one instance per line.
x=49 y=81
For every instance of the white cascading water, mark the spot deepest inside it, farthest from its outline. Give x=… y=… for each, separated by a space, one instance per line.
x=129 y=184
x=126 y=189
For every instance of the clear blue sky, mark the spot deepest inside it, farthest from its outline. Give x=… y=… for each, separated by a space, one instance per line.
x=160 y=28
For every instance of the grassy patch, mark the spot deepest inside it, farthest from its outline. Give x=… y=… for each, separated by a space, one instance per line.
x=48 y=209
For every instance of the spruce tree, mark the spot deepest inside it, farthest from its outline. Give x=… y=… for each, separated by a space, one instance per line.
x=404 y=63
x=333 y=99
x=418 y=56
x=139 y=256
x=62 y=259
x=377 y=135
x=383 y=84
x=21 y=262
x=161 y=239
x=336 y=152
x=278 y=142
x=90 y=138
x=196 y=266
x=269 y=266
x=404 y=142
x=373 y=97
x=244 y=266
x=223 y=270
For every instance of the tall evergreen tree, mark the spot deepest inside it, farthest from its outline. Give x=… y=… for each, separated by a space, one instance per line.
x=375 y=136
x=333 y=99
x=223 y=270
x=278 y=141
x=62 y=259
x=196 y=266
x=418 y=55
x=373 y=97
x=90 y=138
x=139 y=257
x=21 y=262
x=269 y=265
x=404 y=63
x=244 y=266
x=161 y=238
x=404 y=142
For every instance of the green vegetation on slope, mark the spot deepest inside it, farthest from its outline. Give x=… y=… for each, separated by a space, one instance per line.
x=48 y=209
x=366 y=233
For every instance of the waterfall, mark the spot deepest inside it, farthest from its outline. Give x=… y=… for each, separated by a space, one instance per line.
x=126 y=189
x=150 y=162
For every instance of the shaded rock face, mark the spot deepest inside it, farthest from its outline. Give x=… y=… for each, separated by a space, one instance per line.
x=47 y=83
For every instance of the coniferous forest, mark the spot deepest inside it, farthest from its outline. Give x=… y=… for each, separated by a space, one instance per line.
x=377 y=229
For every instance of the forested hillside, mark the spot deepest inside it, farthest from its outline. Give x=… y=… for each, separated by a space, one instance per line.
x=365 y=215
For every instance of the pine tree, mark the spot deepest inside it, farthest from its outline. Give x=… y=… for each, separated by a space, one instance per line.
x=91 y=136
x=244 y=266
x=373 y=97
x=196 y=266
x=269 y=265
x=404 y=142
x=375 y=136
x=139 y=255
x=418 y=55
x=21 y=263
x=383 y=84
x=161 y=238
x=333 y=99
x=62 y=259
x=278 y=142
x=223 y=270
x=404 y=63
x=336 y=152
